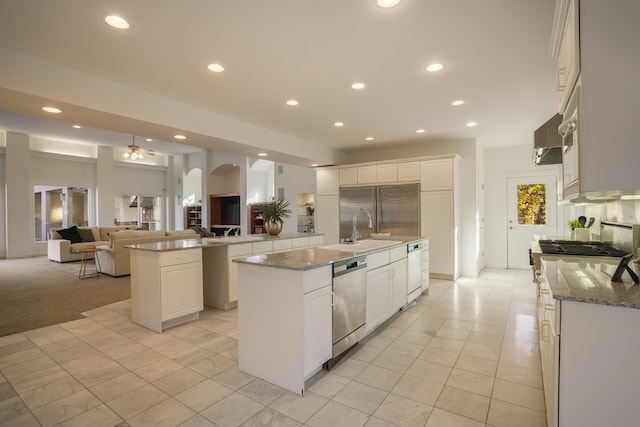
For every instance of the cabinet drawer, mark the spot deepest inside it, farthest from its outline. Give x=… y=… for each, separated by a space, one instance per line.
x=316 y=279
x=262 y=247
x=316 y=240
x=378 y=259
x=241 y=249
x=396 y=254
x=281 y=245
x=302 y=242
x=180 y=257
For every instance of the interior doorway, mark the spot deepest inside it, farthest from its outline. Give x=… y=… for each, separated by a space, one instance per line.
x=532 y=210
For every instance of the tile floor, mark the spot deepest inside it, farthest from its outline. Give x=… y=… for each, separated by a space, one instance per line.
x=464 y=355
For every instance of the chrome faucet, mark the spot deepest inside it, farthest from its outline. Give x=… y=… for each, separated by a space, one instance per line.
x=354 y=232
x=227 y=231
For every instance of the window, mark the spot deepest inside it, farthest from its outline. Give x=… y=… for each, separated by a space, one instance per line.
x=532 y=204
x=138 y=211
x=59 y=207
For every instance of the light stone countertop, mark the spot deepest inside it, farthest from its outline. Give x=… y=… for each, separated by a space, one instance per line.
x=588 y=280
x=176 y=245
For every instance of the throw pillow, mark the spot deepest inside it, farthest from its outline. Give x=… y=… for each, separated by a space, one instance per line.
x=86 y=235
x=71 y=234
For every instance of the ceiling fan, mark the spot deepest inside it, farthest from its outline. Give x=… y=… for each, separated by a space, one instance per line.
x=134 y=152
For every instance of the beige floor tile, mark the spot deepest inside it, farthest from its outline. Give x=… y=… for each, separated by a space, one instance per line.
x=378 y=377
x=91 y=377
x=361 y=397
x=174 y=347
x=393 y=361
x=503 y=414
x=446 y=344
x=99 y=416
x=179 y=381
x=377 y=422
x=519 y=394
x=470 y=381
x=486 y=329
x=520 y=375
x=167 y=413
x=233 y=410
x=429 y=371
x=262 y=391
x=203 y=395
x=418 y=389
x=38 y=379
x=441 y=418
x=233 y=378
x=334 y=414
x=477 y=365
x=270 y=417
x=11 y=408
x=28 y=367
x=454 y=334
x=520 y=359
x=326 y=384
x=367 y=352
x=126 y=349
x=212 y=366
x=157 y=370
x=24 y=420
x=458 y=324
x=191 y=357
x=438 y=355
x=464 y=403
x=139 y=359
x=131 y=404
x=521 y=335
x=348 y=368
x=480 y=351
x=532 y=349
x=65 y=408
x=117 y=386
x=415 y=337
x=155 y=340
x=402 y=411
x=300 y=408
x=405 y=348
x=485 y=339
x=51 y=392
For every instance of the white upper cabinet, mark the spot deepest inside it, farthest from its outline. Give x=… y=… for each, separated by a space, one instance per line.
x=568 y=51
x=327 y=181
x=387 y=172
x=367 y=175
x=348 y=176
x=436 y=175
x=409 y=171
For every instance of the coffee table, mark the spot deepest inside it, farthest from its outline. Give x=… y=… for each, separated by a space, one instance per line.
x=82 y=274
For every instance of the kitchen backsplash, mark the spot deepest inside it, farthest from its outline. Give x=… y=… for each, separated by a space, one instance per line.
x=626 y=211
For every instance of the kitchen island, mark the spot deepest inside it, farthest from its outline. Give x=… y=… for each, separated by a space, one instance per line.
x=285 y=315
x=589 y=342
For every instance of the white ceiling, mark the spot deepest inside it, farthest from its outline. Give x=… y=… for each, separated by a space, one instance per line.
x=495 y=52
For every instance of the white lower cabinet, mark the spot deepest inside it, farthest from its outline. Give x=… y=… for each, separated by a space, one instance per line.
x=166 y=287
x=317 y=312
x=425 y=266
x=386 y=292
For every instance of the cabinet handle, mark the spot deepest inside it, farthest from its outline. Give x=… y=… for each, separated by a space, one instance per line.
x=550 y=307
x=562 y=71
x=546 y=325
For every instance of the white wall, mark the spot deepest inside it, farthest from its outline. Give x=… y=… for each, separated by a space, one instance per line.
x=293 y=180
x=498 y=164
x=471 y=262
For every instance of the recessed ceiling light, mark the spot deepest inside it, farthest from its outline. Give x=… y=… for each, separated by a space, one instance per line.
x=52 y=110
x=369 y=138
x=338 y=124
x=386 y=3
x=180 y=137
x=216 y=68
x=420 y=131
x=472 y=124
x=434 y=67
x=358 y=86
x=262 y=154
x=292 y=102
x=313 y=165
x=117 y=22
x=149 y=139
x=457 y=102
x=77 y=126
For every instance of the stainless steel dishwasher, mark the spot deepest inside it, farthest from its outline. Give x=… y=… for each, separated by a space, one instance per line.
x=349 y=304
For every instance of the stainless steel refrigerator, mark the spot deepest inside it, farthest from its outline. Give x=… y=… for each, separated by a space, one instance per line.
x=394 y=209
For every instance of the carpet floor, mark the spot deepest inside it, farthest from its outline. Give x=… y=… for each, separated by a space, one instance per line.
x=36 y=292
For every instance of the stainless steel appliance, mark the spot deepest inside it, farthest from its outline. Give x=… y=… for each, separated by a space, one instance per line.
x=547 y=143
x=393 y=209
x=414 y=270
x=349 y=303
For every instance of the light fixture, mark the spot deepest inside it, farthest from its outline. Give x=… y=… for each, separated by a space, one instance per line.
x=436 y=66
x=292 y=102
x=262 y=154
x=53 y=110
x=630 y=197
x=457 y=102
x=472 y=124
x=134 y=152
x=149 y=139
x=313 y=165
x=420 y=131
x=117 y=22
x=338 y=124
x=216 y=68
x=386 y=3
x=180 y=137
x=77 y=126
x=358 y=86
x=369 y=138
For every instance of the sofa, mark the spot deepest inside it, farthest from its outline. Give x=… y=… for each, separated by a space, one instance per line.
x=114 y=258
x=66 y=249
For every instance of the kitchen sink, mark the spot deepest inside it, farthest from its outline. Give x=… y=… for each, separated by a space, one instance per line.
x=362 y=245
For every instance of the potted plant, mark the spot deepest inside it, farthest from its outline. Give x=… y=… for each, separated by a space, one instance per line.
x=274 y=212
x=578 y=231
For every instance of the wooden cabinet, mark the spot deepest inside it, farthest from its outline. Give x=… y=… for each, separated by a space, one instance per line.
x=192 y=216
x=256 y=222
x=166 y=287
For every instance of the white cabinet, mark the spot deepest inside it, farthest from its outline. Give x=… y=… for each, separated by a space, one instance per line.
x=367 y=174
x=387 y=173
x=568 y=54
x=425 y=266
x=327 y=181
x=548 y=311
x=284 y=323
x=436 y=175
x=378 y=297
x=399 y=284
x=166 y=287
x=283 y=245
x=328 y=218
x=439 y=217
x=409 y=171
x=348 y=176
x=386 y=285
x=235 y=252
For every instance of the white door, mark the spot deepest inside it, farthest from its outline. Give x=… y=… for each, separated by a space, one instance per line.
x=531 y=204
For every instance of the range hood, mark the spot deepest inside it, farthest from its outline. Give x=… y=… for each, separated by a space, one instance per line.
x=547 y=143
